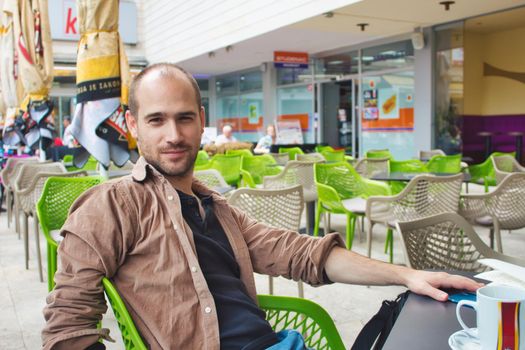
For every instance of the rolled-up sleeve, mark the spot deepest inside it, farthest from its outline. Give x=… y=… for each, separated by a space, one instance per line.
x=93 y=247
x=286 y=253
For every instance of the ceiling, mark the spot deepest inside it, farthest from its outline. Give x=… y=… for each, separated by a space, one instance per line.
x=320 y=34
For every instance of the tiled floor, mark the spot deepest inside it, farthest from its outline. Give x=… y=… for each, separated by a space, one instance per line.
x=22 y=296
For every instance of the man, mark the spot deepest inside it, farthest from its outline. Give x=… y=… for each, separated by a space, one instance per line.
x=179 y=255
x=226 y=136
x=68 y=139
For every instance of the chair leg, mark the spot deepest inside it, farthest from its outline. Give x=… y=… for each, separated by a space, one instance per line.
x=491 y=237
x=317 y=219
x=362 y=230
x=350 y=229
x=8 y=203
x=26 y=240
x=51 y=266
x=390 y=240
x=369 y=238
x=38 y=253
x=270 y=285
x=308 y=223
x=16 y=217
x=300 y=289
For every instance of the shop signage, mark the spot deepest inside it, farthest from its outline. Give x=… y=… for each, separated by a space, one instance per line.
x=284 y=59
x=64 y=22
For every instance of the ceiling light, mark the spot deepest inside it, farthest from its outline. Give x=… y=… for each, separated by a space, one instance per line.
x=211 y=54
x=329 y=14
x=335 y=62
x=229 y=48
x=447 y=4
x=363 y=26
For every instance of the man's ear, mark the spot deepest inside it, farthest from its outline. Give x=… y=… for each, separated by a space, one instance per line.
x=131 y=121
x=203 y=118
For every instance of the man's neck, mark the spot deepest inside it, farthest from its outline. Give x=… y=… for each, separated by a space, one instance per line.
x=182 y=184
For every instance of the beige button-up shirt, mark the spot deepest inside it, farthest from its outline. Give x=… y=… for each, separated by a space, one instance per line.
x=132 y=231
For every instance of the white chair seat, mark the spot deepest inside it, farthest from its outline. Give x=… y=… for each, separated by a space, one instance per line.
x=485 y=221
x=355 y=205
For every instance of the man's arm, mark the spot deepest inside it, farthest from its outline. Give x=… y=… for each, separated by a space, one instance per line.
x=345 y=266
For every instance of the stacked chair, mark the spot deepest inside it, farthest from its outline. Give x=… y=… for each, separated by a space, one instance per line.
x=368 y=167
x=280 y=208
x=52 y=209
x=310 y=157
x=292 y=151
x=429 y=154
x=446 y=242
x=280 y=158
x=229 y=165
x=424 y=196
x=484 y=173
x=445 y=164
x=255 y=168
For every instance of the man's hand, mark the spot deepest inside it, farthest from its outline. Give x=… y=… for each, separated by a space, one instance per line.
x=427 y=283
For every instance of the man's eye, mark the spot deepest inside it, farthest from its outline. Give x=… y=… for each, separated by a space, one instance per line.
x=154 y=120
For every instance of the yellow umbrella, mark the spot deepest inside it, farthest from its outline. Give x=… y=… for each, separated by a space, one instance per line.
x=102 y=85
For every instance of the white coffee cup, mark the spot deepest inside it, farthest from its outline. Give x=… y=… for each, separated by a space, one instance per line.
x=500 y=317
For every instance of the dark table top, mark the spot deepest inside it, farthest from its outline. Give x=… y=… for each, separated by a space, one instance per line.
x=427 y=324
x=400 y=176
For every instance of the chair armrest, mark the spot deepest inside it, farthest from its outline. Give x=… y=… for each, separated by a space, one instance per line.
x=473 y=206
x=376 y=188
x=247 y=178
x=329 y=197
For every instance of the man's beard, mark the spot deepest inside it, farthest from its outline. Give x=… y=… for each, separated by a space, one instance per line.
x=186 y=163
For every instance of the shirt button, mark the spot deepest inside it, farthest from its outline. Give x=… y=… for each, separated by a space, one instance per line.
x=207 y=309
x=176 y=227
x=170 y=198
x=193 y=269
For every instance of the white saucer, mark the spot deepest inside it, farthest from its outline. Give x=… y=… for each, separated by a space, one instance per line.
x=461 y=340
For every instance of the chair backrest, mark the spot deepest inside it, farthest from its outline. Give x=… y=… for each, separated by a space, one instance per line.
x=11 y=169
x=445 y=164
x=485 y=171
x=255 y=168
x=211 y=178
x=281 y=158
x=229 y=165
x=306 y=317
x=427 y=195
x=429 y=154
x=368 y=167
x=57 y=196
x=28 y=172
x=342 y=177
x=202 y=158
x=295 y=173
x=379 y=153
x=408 y=166
x=446 y=242
x=280 y=208
x=334 y=156
x=292 y=151
x=240 y=152
x=320 y=148
x=310 y=157
x=505 y=165
x=130 y=335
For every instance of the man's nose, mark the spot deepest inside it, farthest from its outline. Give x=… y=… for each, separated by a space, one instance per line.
x=173 y=132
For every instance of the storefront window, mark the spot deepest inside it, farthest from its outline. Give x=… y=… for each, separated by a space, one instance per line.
x=204 y=88
x=240 y=104
x=449 y=89
x=287 y=76
x=388 y=113
x=337 y=65
x=295 y=104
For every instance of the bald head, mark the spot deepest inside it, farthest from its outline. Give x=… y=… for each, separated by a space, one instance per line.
x=167 y=70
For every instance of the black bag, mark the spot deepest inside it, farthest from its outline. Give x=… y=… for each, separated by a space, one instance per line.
x=380 y=324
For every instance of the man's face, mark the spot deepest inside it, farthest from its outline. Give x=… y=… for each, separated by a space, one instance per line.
x=270 y=131
x=169 y=124
x=227 y=131
x=66 y=123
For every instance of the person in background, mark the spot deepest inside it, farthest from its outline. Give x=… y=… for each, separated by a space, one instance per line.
x=226 y=136
x=264 y=144
x=68 y=139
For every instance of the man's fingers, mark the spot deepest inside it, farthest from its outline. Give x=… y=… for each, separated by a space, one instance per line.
x=434 y=293
x=460 y=282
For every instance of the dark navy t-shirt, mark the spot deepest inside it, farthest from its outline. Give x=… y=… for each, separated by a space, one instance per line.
x=242 y=325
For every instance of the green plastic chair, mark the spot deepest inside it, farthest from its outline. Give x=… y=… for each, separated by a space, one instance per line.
x=445 y=164
x=240 y=152
x=292 y=151
x=255 y=168
x=405 y=166
x=52 y=209
x=202 y=158
x=307 y=317
x=228 y=165
x=91 y=164
x=341 y=190
x=320 y=149
x=130 y=335
x=379 y=153
x=484 y=173
x=334 y=156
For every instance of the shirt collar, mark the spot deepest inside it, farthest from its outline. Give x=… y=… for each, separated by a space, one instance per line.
x=143 y=169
